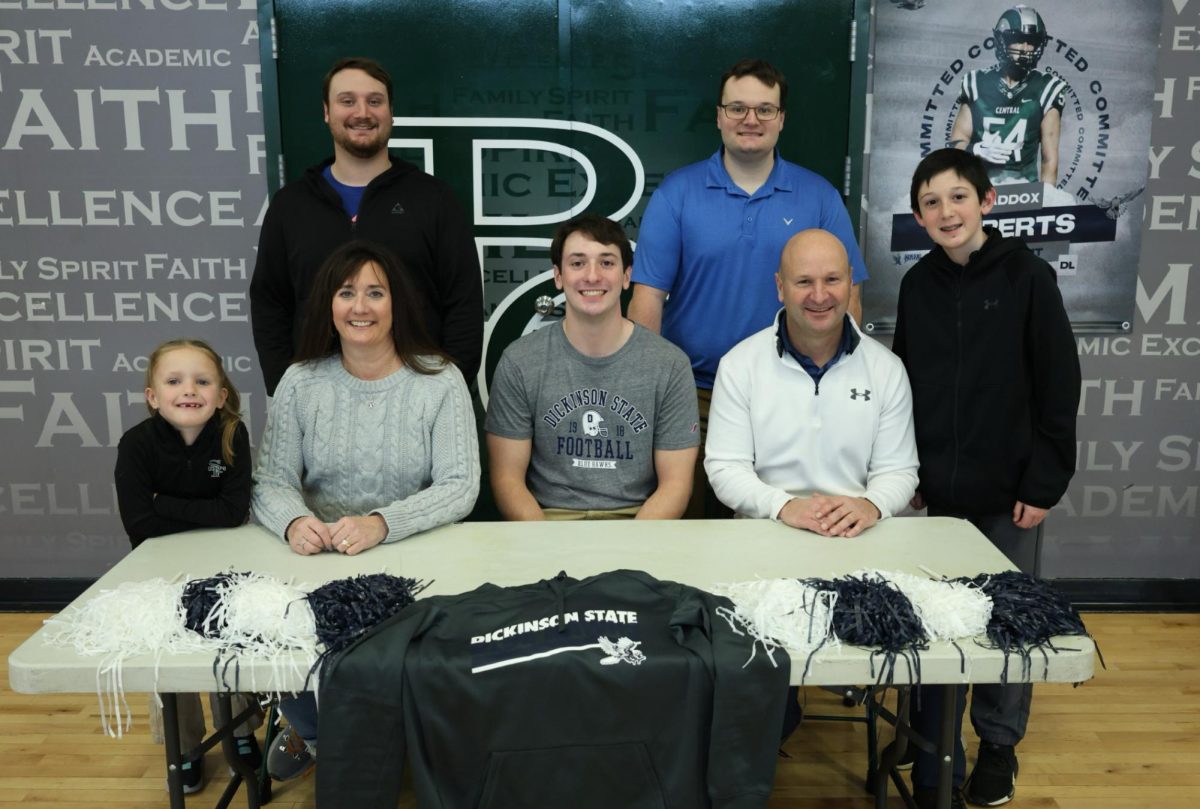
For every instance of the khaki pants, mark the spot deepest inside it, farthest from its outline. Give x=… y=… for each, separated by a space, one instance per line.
x=191 y=718
x=703 y=504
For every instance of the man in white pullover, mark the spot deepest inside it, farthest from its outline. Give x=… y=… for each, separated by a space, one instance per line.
x=811 y=421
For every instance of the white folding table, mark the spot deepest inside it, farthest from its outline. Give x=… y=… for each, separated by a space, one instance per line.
x=460 y=557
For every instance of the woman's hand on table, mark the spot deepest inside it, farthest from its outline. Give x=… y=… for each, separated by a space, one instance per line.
x=308 y=535
x=353 y=535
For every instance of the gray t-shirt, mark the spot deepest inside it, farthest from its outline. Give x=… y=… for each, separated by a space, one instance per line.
x=594 y=421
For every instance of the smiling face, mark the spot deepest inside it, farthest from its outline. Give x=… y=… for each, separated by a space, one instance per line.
x=362 y=309
x=358 y=113
x=749 y=138
x=949 y=209
x=814 y=287
x=185 y=390
x=592 y=277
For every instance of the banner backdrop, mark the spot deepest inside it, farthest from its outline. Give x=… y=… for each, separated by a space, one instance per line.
x=535 y=111
x=131 y=185
x=1080 y=96
x=132 y=181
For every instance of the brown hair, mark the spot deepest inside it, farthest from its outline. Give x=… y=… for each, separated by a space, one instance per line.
x=231 y=412
x=319 y=339
x=368 y=66
x=598 y=229
x=760 y=69
x=970 y=168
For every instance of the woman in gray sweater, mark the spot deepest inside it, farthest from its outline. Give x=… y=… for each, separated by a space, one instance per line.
x=370 y=436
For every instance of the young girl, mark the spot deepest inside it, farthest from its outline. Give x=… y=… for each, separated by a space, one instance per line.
x=185 y=467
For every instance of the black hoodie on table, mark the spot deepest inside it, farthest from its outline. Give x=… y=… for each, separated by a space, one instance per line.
x=619 y=690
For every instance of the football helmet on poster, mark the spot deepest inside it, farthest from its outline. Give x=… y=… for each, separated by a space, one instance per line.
x=1019 y=26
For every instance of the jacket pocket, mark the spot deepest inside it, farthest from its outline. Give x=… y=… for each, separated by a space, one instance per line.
x=578 y=777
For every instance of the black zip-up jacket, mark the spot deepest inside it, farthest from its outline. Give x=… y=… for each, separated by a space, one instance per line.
x=404 y=209
x=619 y=690
x=995 y=378
x=195 y=488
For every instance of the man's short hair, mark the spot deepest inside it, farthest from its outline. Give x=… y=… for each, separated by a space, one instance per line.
x=760 y=69
x=966 y=165
x=598 y=229
x=368 y=66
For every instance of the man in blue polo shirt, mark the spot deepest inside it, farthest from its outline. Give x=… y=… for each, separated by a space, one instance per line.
x=714 y=231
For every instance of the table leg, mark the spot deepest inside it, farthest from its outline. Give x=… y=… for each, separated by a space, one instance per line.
x=894 y=751
x=945 y=746
x=170 y=717
x=242 y=772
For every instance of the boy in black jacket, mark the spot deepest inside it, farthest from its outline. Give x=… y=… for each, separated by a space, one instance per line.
x=981 y=328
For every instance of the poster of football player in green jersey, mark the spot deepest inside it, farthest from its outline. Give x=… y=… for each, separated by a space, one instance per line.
x=1010 y=114
x=1056 y=98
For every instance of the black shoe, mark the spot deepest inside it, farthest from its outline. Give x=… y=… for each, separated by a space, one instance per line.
x=248 y=751
x=191 y=774
x=927 y=798
x=908 y=759
x=994 y=779
x=290 y=756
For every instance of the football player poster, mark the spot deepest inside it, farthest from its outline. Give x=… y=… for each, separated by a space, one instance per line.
x=1056 y=97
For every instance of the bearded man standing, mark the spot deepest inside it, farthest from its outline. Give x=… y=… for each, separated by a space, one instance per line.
x=362 y=192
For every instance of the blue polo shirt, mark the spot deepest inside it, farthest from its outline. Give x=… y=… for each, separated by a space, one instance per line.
x=715 y=249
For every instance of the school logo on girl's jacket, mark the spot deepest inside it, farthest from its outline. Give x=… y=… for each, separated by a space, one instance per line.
x=216 y=468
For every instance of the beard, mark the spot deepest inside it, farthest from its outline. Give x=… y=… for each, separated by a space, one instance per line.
x=359 y=148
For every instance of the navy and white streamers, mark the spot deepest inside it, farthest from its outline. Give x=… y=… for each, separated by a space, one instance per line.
x=235 y=617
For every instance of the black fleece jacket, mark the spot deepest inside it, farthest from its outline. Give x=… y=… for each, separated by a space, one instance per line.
x=995 y=378
x=195 y=488
x=404 y=209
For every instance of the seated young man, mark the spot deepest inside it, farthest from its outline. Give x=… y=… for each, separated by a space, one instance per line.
x=594 y=418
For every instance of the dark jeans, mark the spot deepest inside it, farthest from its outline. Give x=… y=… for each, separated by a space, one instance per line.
x=301 y=713
x=999 y=713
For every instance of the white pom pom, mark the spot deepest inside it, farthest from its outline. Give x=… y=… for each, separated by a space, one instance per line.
x=136 y=618
x=781 y=612
x=262 y=617
x=255 y=616
x=948 y=610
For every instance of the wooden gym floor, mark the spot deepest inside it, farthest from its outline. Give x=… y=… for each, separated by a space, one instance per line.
x=1128 y=739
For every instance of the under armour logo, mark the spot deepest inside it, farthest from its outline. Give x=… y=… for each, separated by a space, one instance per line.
x=866 y=394
x=787 y=221
x=397 y=208
x=991 y=303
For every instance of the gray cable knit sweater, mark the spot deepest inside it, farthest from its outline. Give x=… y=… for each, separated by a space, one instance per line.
x=403 y=447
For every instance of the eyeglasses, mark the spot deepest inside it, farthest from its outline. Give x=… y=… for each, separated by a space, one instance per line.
x=763 y=112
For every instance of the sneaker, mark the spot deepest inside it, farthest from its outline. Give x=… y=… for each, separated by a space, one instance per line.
x=994 y=779
x=191 y=774
x=908 y=759
x=927 y=798
x=248 y=751
x=290 y=756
